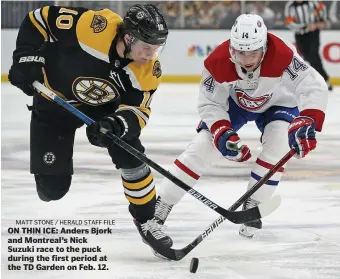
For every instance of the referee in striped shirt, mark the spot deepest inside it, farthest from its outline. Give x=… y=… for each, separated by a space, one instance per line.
x=306 y=19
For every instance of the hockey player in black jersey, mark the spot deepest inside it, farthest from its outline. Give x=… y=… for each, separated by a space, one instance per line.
x=108 y=68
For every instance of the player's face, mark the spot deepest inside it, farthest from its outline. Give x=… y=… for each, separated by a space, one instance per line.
x=142 y=52
x=249 y=59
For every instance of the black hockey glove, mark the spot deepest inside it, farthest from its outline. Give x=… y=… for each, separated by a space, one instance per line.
x=115 y=124
x=26 y=68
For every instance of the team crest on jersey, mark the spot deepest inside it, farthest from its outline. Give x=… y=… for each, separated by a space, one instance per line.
x=49 y=158
x=98 y=23
x=250 y=103
x=94 y=91
x=157 y=70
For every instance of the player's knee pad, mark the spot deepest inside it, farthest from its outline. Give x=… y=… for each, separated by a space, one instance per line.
x=199 y=153
x=275 y=141
x=189 y=166
x=139 y=189
x=52 y=187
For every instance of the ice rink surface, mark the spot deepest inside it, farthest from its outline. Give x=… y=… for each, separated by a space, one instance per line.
x=300 y=240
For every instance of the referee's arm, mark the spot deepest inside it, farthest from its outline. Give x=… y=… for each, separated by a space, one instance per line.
x=321 y=12
x=290 y=19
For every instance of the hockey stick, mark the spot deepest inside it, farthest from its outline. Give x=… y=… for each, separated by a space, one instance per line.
x=178 y=254
x=237 y=217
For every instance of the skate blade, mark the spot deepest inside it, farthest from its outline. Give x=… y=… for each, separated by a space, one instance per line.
x=246 y=236
x=155 y=252
x=247 y=232
x=159 y=255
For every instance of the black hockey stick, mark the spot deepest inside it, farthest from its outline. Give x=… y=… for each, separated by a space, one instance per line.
x=178 y=254
x=237 y=217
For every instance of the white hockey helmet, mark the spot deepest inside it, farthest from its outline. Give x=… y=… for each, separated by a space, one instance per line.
x=248 y=33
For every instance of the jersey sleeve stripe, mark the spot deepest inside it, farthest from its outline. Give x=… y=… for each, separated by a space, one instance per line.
x=136 y=110
x=38 y=26
x=95 y=52
x=44 y=16
x=145 y=111
x=40 y=20
x=46 y=83
x=38 y=17
x=142 y=118
x=133 y=78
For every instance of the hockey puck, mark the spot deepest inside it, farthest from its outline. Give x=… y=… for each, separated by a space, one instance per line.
x=194 y=265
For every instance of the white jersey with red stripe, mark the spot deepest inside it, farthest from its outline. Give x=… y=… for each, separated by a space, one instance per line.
x=282 y=79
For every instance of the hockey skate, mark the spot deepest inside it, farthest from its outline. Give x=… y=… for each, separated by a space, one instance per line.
x=162 y=211
x=151 y=232
x=248 y=229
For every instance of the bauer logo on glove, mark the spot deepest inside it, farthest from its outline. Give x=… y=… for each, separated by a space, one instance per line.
x=32 y=59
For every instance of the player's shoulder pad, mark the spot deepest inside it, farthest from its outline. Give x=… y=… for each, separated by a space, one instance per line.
x=96 y=30
x=219 y=65
x=277 y=58
x=145 y=77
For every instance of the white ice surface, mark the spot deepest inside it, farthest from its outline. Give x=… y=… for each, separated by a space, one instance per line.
x=299 y=240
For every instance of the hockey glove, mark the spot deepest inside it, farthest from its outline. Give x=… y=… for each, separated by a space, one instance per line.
x=112 y=123
x=229 y=144
x=26 y=68
x=301 y=133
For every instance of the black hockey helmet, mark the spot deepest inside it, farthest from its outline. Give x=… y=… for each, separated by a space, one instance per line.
x=146 y=23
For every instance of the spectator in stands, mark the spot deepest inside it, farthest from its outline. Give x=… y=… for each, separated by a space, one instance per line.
x=206 y=18
x=190 y=14
x=171 y=11
x=219 y=9
x=233 y=12
x=260 y=8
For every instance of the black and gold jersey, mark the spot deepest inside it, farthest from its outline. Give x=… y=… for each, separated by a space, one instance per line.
x=82 y=64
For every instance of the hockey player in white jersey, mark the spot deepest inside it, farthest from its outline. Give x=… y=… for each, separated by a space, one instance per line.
x=254 y=76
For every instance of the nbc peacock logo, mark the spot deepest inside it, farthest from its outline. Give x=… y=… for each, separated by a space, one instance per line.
x=200 y=51
x=196 y=50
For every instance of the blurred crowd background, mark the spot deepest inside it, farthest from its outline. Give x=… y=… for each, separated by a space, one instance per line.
x=179 y=14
